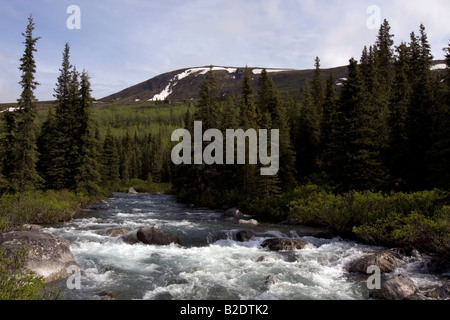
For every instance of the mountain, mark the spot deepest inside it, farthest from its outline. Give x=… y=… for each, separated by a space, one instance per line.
x=184 y=84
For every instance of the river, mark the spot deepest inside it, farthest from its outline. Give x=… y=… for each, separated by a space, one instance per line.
x=200 y=269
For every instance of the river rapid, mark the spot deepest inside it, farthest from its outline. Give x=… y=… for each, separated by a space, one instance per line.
x=203 y=269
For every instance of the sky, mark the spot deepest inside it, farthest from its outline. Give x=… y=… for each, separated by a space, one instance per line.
x=124 y=42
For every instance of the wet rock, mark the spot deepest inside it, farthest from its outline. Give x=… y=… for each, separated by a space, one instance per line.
x=48 y=256
x=156 y=236
x=278 y=244
x=132 y=191
x=244 y=235
x=397 y=288
x=216 y=236
x=109 y=294
x=384 y=260
x=116 y=232
x=270 y=280
x=252 y=222
x=130 y=237
x=441 y=292
x=262 y=258
x=233 y=212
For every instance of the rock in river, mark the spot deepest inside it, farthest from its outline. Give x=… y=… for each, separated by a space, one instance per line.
x=48 y=256
x=398 y=288
x=384 y=260
x=278 y=244
x=156 y=236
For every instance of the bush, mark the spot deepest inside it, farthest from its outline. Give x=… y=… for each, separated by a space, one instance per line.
x=19 y=283
x=39 y=207
x=419 y=219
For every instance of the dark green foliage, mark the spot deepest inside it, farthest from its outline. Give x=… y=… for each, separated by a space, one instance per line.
x=17 y=282
x=110 y=160
x=19 y=151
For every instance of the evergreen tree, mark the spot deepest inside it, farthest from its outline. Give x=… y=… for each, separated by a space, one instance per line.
x=86 y=170
x=401 y=97
x=440 y=152
x=249 y=116
x=421 y=107
x=48 y=149
x=308 y=137
x=61 y=166
x=110 y=160
x=125 y=162
x=362 y=167
x=329 y=119
x=385 y=54
x=208 y=106
x=275 y=116
x=22 y=157
x=317 y=91
x=249 y=120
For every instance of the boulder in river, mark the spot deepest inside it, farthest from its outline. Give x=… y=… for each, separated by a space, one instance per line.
x=384 y=260
x=244 y=235
x=116 y=232
x=397 y=288
x=156 y=236
x=216 y=236
x=233 y=212
x=48 y=256
x=132 y=191
x=442 y=292
x=278 y=244
x=252 y=222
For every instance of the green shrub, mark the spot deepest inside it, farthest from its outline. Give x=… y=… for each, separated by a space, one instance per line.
x=39 y=207
x=419 y=219
x=19 y=283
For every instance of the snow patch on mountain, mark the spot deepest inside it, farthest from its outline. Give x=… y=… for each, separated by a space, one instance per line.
x=258 y=71
x=173 y=82
x=10 y=109
x=440 y=66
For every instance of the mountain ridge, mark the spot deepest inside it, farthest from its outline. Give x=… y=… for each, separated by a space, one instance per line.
x=184 y=84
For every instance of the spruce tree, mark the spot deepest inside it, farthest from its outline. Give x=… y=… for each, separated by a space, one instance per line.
x=421 y=108
x=440 y=153
x=328 y=123
x=401 y=97
x=249 y=120
x=86 y=170
x=61 y=168
x=317 y=91
x=361 y=168
x=208 y=106
x=110 y=161
x=275 y=116
x=21 y=161
x=125 y=162
x=48 y=149
x=308 y=137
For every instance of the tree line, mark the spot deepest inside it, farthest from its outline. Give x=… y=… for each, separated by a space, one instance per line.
x=385 y=129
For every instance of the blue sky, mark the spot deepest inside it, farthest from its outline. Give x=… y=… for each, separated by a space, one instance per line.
x=124 y=42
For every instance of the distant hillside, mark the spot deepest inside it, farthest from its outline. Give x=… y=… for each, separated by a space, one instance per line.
x=184 y=84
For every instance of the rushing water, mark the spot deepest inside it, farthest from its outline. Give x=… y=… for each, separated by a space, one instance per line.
x=199 y=269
